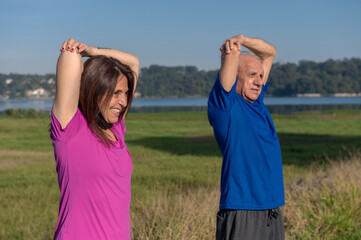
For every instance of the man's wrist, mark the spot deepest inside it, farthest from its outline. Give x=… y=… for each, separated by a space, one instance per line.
x=243 y=39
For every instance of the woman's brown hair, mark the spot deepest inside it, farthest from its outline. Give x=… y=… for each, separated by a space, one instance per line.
x=98 y=81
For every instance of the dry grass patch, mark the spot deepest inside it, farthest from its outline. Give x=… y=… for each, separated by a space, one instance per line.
x=189 y=214
x=325 y=203
x=10 y=158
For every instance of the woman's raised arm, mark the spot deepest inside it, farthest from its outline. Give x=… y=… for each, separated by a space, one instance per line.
x=129 y=59
x=68 y=75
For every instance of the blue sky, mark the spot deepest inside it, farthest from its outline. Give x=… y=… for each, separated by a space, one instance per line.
x=174 y=33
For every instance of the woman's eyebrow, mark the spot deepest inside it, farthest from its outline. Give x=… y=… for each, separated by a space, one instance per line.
x=120 y=90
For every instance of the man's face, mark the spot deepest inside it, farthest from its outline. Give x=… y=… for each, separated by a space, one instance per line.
x=250 y=78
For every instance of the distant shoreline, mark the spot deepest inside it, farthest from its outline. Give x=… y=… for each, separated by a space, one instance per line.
x=328 y=95
x=299 y=95
x=185 y=103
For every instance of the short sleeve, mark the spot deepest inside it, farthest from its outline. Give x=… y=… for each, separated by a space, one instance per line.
x=220 y=104
x=220 y=98
x=57 y=133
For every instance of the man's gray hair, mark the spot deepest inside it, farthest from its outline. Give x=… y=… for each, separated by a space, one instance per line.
x=251 y=54
x=247 y=53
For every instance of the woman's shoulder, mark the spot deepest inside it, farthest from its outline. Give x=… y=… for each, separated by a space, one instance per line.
x=76 y=123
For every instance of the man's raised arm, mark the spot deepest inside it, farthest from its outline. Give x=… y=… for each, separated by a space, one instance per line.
x=262 y=49
x=230 y=62
x=230 y=57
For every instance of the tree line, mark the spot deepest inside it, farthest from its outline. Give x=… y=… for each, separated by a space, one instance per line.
x=286 y=79
x=329 y=77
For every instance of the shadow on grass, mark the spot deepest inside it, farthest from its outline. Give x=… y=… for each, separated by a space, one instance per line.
x=196 y=146
x=297 y=149
x=305 y=149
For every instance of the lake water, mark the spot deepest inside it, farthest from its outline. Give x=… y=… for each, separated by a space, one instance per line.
x=281 y=105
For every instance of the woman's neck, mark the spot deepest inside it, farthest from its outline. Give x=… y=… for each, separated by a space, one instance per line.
x=110 y=135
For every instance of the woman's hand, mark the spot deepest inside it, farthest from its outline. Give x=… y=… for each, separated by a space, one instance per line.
x=81 y=48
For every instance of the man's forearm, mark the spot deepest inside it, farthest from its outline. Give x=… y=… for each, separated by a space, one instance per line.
x=261 y=48
x=264 y=50
x=229 y=68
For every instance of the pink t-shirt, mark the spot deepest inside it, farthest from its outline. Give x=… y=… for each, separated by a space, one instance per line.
x=94 y=182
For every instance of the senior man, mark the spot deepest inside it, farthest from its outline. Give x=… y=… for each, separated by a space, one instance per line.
x=252 y=178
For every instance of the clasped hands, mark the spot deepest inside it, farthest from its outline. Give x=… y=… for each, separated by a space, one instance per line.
x=232 y=43
x=81 y=48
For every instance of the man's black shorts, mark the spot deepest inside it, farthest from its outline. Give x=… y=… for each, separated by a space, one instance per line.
x=250 y=224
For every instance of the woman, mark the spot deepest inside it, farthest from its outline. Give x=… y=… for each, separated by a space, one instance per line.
x=87 y=129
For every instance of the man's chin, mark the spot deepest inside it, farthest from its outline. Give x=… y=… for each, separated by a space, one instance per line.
x=251 y=97
x=254 y=97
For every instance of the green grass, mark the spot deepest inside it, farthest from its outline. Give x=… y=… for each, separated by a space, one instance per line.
x=176 y=173
x=25 y=134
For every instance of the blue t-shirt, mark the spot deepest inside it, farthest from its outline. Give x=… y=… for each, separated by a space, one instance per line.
x=252 y=177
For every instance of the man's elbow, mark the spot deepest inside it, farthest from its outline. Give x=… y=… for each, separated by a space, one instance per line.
x=273 y=51
x=269 y=54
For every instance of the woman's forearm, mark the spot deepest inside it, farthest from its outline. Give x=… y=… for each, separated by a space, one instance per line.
x=131 y=60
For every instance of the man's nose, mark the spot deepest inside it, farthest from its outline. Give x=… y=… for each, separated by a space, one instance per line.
x=258 y=81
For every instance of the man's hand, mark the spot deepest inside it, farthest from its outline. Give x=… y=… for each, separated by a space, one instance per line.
x=231 y=43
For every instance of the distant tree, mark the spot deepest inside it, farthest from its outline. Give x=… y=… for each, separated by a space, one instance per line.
x=331 y=76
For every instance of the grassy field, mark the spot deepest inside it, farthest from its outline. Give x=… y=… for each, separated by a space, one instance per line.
x=175 y=183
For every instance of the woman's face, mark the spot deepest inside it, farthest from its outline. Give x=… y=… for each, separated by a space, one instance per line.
x=118 y=102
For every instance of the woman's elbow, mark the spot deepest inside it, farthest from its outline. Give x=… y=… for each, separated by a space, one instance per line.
x=135 y=62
